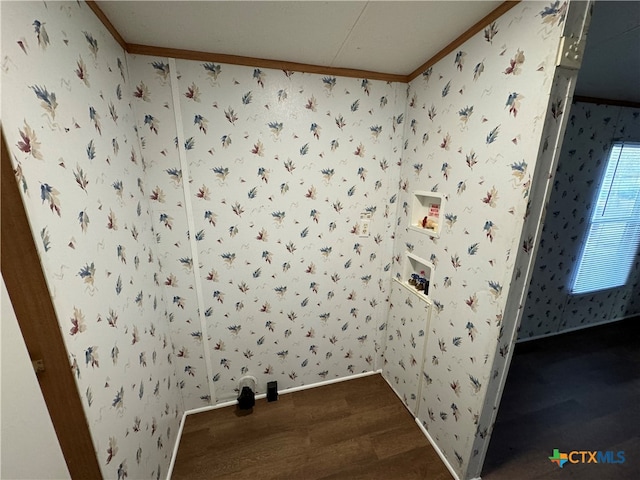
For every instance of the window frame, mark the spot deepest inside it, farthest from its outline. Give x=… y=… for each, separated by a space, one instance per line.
x=629 y=222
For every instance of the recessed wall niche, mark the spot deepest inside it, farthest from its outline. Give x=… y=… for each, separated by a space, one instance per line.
x=416 y=275
x=426 y=213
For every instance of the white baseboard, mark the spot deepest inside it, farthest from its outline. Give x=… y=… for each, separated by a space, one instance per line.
x=426 y=434
x=329 y=382
x=437 y=449
x=174 y=454
x=258 y=397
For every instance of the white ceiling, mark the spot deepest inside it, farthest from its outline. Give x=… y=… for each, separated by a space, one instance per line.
x=393 y=37
x=381 y=36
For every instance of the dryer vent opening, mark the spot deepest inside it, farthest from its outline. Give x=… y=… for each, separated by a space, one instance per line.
x=247 y=389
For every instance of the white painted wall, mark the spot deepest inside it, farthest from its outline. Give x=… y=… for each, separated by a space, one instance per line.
x=29 y=447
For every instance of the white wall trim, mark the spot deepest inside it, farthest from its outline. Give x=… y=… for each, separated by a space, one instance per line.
x=258 y=397
x=184 y=166
x=437 y=449
x=575 y=329
x=329 y=382
x=283 y=392
x=426 y=434
x=174 y=454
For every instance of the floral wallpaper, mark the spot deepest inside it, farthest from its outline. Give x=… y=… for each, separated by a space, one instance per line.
x=156 y=125
x=71 y=132
x=547 y=159
x=254 y=228
x=281 y=167
x=474 y=127
x=407 y=328
x=550 y=308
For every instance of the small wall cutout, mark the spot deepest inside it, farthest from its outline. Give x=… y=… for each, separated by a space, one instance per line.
x=426 y=213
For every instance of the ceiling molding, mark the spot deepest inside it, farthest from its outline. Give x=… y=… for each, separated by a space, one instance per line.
x=107 y=23
x=293 y=66
x=261 y=62
x=477 y=27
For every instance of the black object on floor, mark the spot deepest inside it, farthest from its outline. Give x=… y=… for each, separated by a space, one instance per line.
x=247 y=399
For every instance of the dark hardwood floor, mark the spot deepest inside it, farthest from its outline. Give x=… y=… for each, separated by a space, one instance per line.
x=575 y=391
x=357 y=429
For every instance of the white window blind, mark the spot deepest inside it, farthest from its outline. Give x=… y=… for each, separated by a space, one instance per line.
x=614 y=230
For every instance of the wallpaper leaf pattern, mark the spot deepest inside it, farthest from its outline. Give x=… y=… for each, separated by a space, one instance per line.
x=473 y=136
x=277 y=189
x=550 y=308
x=75 y=151
x=280 y=167
x=407 y=328
x=158 y=137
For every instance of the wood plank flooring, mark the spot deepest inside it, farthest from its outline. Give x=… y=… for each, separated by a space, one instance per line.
x=575 y=391
x=357 y=429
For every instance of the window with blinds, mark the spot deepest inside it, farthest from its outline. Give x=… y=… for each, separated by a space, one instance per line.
x=612 y=240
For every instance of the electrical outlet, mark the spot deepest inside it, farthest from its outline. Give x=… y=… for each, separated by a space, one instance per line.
x=272 y=391
x=365 y=224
